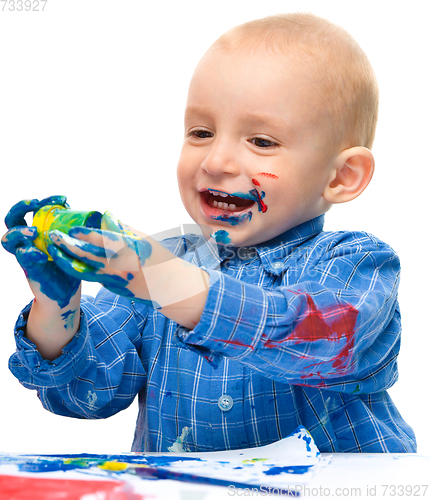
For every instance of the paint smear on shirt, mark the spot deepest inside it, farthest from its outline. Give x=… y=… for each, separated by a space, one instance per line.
x=179 y=446
x=315 y=327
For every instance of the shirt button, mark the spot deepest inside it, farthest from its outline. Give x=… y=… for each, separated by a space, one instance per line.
x=225 y=402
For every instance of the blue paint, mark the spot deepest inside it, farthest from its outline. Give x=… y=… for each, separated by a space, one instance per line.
x=221 y=236
x=58 y=236
x=289 y=469
x=88 y=270
x=153 y=467
x=19 y=237
x=47 y=466
x=258 y=197
x=68 y=318
x=157 y=473
x=110 y=235
x=86 y=460
x=308 y=441
x=140 y=246
x=234 y=220
x=54 y=284
x=15 y=216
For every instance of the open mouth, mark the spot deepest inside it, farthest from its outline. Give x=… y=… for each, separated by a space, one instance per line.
x=221 y=201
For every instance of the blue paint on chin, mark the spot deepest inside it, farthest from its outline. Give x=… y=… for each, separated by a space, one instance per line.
x=221 y=236
x=234 y=220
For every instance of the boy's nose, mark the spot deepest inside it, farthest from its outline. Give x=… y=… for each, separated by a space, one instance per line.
x=220 y=159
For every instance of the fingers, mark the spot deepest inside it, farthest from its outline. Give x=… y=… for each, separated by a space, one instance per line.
x=15 y=216
x=82 y=271
x=77 y=251
x=110 y=223
x=116 y=244
x=18 y=237
x=78 y=247
x=31 y=259
x=73 y=267
x=54 y=200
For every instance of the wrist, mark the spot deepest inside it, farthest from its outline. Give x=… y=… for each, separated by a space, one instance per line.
x=50 y=327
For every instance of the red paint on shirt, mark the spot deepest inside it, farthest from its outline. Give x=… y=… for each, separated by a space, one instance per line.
x=234 y=342
x=31 y=488
x=316 y=325
x=266 y=174
x=255 y=182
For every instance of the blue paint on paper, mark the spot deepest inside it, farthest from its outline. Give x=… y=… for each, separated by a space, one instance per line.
x=289 y=469
x=308 y=441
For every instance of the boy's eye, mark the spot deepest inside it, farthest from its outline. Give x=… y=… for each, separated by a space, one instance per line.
x=260 y=142
x=201 y=134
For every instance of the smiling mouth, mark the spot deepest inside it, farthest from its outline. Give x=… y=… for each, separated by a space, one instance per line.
x=225 y=202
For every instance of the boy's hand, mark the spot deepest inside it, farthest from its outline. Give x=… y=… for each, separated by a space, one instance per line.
x=16 y=214
x=133 y=265
x=44 y=277
x=113 y=257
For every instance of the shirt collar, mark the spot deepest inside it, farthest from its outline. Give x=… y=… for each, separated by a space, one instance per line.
x=275 y=252
x=272 y=253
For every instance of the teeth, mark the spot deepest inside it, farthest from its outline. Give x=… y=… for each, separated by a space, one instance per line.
x=224 y=206
x=217 y=193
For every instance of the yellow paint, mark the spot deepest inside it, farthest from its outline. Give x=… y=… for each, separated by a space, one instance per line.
x=79 y=266
x=253 y=460
x=42 y=220
x=113 y=466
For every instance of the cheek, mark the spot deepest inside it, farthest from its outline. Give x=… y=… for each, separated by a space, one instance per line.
x=188 y=163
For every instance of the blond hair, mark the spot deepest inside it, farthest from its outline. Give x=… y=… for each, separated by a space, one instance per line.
x=342 y=79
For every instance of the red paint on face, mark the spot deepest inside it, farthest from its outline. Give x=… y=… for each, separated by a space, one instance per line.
x=31 y=488
x=266 y=174
x=255 y=182
x=261 y=205
x=332 y=324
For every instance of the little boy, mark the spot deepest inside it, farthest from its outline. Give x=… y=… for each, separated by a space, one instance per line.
x=266 y=322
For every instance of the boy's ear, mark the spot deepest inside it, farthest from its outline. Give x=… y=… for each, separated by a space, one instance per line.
x=351 y=173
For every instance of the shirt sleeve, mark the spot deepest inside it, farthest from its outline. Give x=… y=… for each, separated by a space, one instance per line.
x=337 y=326
x=99 y=372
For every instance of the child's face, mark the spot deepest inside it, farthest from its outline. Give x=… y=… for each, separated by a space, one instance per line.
x=253 y=162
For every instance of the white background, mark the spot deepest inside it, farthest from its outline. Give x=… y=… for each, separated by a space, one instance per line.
x=92 y=94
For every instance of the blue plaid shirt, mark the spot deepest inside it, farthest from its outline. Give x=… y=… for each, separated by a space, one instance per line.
x=300 y=330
